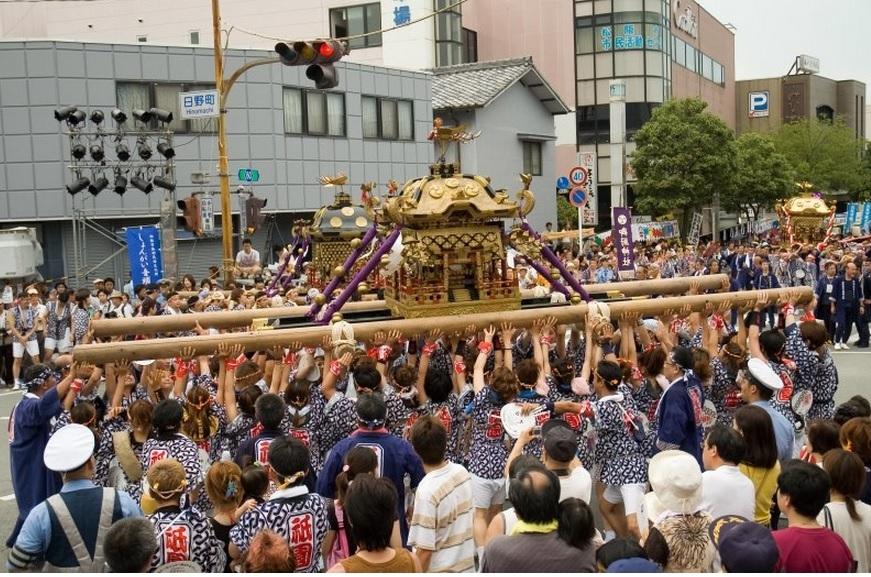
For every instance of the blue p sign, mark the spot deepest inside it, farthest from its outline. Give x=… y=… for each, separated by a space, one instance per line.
x=758 y=104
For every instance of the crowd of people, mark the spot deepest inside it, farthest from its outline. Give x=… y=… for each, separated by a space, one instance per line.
x=703 y=442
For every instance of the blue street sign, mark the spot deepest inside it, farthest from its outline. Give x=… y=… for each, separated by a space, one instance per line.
x=562 y=182
x=249 y=175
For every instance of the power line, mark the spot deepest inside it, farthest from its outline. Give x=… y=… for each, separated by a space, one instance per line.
x=363 y=35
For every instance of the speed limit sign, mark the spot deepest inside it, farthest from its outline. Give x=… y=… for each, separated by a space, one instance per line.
x=579 y=175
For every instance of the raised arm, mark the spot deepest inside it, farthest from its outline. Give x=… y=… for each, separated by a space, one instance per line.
x=333 y=373
x=484 y=349
x=431 y=346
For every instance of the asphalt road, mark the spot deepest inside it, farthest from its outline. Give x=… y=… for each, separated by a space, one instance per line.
x=852 y=367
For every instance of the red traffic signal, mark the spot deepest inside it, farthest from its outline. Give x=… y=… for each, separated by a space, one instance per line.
x=318 y=55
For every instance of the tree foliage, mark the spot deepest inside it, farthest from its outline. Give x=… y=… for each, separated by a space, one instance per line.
x=566 y=214
x=824 y=153
x=684 y=155
x=763 y=176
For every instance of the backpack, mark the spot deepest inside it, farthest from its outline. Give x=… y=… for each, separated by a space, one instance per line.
x=340 y=549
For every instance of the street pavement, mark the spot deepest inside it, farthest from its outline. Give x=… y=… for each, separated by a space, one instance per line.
x=853 y=368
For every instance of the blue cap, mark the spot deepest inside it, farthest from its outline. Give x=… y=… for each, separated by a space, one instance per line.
x=744 y=546
x=633 y=565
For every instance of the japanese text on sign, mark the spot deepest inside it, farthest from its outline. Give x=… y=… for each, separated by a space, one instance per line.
x=201 y=104
x=143 y=249
x=401 y=13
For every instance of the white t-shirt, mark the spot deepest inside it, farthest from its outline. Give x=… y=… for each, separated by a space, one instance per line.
x=248 y=259
x=442 y=521
x=726 y=491
x=578 y=484
x=856 y=534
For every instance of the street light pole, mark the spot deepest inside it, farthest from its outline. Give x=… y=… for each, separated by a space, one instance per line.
x=223 y=87
x=223 y=162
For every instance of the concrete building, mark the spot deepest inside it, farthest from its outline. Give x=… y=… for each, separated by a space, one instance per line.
x=765 y=104
x=485 y=97
x=373 y=127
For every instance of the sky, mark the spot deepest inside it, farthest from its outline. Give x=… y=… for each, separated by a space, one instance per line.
x=771 y=33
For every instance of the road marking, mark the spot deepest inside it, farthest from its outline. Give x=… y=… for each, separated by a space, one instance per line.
x=8 y=497
x=10 y=393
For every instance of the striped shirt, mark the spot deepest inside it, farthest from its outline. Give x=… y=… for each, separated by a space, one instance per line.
x=442 y=521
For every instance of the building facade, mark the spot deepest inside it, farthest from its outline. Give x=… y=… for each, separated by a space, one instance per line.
x=766 y=104
x=372 y=127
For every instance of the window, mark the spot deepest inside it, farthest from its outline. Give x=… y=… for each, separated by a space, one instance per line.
x=532 y=158
x=448 y=34
x=470 y=45
x=353 y=20
x=142 y=38
x=388 y=118
x=132 y=95
x=314 y=112
x=620 y=31
x=195 y=37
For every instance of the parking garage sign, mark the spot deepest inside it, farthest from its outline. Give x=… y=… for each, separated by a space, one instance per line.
x=200 y=104
x=758 y=104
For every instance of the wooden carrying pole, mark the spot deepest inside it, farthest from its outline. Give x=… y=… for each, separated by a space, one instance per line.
x=236 y=319
x=100 y=353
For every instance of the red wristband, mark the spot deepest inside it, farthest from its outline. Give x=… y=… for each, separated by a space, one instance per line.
x=289 y=359
x=336 y=368
x=372 y=353
x=545 y=340
x=233 y=364
x=429 y=348
x=485 y=347
x=459 y=366
x=77 y=385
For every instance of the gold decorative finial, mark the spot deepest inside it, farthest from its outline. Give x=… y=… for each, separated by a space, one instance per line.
x=338 y=180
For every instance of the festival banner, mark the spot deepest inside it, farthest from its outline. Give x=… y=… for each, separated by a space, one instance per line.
x=866 y=218
x=850 y=219
x=623 y=245
x=143 y=249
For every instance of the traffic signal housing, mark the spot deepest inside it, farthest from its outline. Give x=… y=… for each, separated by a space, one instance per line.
x=319 y=56
x=253 y=218
x=192 y=218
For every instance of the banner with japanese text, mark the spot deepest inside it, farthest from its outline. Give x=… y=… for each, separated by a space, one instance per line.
x=623 y=245
x=144 y=251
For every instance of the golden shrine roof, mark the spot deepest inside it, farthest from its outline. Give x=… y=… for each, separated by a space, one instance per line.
x=444 y=196
x=806 y=206
x=340 y=220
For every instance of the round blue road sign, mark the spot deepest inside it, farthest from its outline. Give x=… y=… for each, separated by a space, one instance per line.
x=562 y=182
x=578 y=197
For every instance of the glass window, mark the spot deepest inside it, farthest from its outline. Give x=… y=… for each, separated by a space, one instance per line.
x=718 y=73
x=166 y=98
x=132 y=95
x=621 y=17
x=293 y=110
x=389 y=123
x=195 y=36
x=584 y=38
x=370 y=117
x=405 y=113
x=315 y=113
x=470 y=45
x=680 y=51
x=707 y=67
x=532 y=158
x=144 y=95
x=353 y=20
x=335 y=113
x=692 y=57
x=653 y=36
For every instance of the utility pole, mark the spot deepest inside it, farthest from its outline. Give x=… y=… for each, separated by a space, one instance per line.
x=223 y=162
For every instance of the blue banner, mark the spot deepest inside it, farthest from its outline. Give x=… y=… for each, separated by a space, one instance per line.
x=850 y=219
x=866 y=217
x=146 y=259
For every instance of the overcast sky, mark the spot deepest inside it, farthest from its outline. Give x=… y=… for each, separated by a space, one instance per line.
x=771 y=33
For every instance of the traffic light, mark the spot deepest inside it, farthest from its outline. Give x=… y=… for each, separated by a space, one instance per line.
x=190 y=206
x=253 y=218
x=319 y=56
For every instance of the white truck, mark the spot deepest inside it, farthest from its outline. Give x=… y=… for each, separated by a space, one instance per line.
x=20 y=254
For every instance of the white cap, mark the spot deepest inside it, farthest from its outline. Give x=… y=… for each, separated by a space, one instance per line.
x=676 y=480
x=143 y=362
x=763 y=373
x=69 y=448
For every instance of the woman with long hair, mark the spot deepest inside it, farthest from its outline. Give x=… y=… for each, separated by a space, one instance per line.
x=845 y=514
x=760 y=458
x=339 y=543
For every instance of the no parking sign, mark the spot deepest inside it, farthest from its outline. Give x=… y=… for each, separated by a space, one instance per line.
x=578 y=197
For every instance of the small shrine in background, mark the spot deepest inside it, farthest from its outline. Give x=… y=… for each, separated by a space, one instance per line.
x=807 y=218
x=336 y=229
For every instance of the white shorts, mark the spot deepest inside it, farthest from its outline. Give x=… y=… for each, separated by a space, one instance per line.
x=18 y=349
x=632 y=496
x=487 y=493
x=62 y=346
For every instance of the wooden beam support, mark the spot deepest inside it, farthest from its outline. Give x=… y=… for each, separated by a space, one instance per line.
x=236 y=319
x=100 y=353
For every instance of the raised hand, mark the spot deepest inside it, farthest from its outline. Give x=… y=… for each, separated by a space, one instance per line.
x=488 y=333
x=187 y=353
x=223 y=350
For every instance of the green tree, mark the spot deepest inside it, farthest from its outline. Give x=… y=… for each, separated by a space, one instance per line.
x=566 y=214
x=824 y=153
x=684 y=155
x=763 y=176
